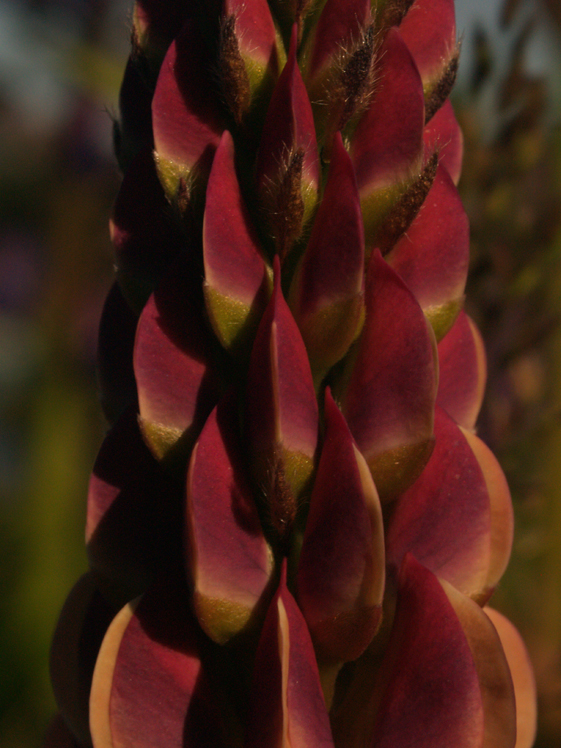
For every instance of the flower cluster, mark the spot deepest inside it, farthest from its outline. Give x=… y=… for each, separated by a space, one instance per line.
x=292 y=527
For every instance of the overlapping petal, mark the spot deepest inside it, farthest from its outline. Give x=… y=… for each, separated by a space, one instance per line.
x=327 y=291
x=456 y=518
x=173 y=362
x=282 y=412
x=237 y=282
x=228 y=558
x=287 y=706
x=150 y=687
x=389 y=387
x=340 y=578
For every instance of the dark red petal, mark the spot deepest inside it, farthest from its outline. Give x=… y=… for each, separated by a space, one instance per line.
x=133 y=513
x=462 y=372
x=443 y=134
x=287 y=706
x=150 y=687
x=341 y=570
x=432 y=257
x=186 y=120
x=388 y=398
x=289 y=126
x=429 y=30
x=255 y=31
x=387 y=148
x=326 y=296
x=173 y=362
x=229 y=561
x=237 y=282
x=339 y=26
x=282 y=411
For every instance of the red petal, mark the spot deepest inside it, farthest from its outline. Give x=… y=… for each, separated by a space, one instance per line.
x=391 y=382
x=186 y=121
x=150 y=688
x=237 y=285
x=289 y=125
x=522 y=678
x=454 y=519
x=462 y=372
x=177 y=386
x=339 y=26
x=433 y=255
x=443 y=134
x=287 y=706
x=327 y=292
x=341 y=569
x=133 y=513
x=229 y=560
x=444 y=519
x=388 y=143
x=255 y=31
x=281 y=402
x=431 y=689
x=429 y=30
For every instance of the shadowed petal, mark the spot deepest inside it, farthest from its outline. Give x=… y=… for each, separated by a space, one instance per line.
x=433 y=255
x=150 y=687
x=186 y=120
x=229 y=561
x=80 y=629
x=340 y=575
x=133 y=513
x=389 y=386
x=463 y=372
x=237 y=284
x=173 y=363
x=287 y=706
x=522 y=678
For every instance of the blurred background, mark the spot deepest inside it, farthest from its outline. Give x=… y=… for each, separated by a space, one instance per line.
x=61 y=62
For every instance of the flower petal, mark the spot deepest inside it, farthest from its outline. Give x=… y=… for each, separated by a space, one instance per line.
x=150 y=687
x=463 y=371
x=387 y=147
x=340 y=577
x=443 y=134
x=449 y=517
x=327 y=292
x=433 y=255
x=522 y=678
x=185 y=116
x=282 y=413
x=389 y=386
x=286 y=706
x=237 y=282
x=81 y=626
x=229 y=561
x=173 y=363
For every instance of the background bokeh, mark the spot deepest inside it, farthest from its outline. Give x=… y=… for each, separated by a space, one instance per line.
x=61 y=62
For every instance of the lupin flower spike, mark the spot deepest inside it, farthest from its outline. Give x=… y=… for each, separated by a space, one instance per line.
x=292 y=527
